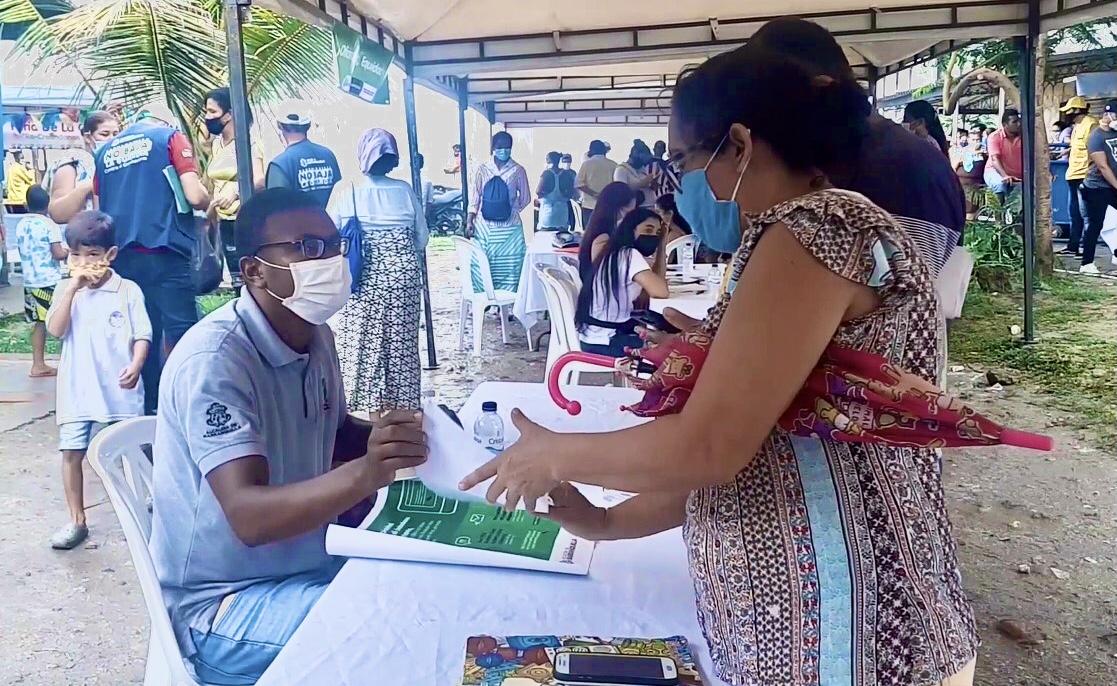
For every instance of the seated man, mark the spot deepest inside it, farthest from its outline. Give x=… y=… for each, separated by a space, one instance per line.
x=255 y=453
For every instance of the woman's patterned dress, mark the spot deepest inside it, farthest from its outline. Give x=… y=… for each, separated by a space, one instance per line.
x=833 y=564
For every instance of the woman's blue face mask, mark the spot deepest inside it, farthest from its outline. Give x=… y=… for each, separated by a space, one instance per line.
x=502 y=154
x=716 y=223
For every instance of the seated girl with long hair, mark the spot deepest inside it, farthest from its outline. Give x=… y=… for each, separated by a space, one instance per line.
x=619 y=275
x=615 y=201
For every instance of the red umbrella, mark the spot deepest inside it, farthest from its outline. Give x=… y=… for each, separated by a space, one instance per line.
x=851 y=396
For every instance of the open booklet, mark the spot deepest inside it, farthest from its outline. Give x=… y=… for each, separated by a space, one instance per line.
x=412 y=523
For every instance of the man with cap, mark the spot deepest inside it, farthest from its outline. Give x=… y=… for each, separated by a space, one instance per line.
x=1078 y=163
x=593 y=176
x=1099 y=188
x=304 y=165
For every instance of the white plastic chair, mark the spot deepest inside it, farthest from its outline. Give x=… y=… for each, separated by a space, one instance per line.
x=468 y=253
x=562 y=298
x=569 y=265
x=116 y=454
x=674 y=245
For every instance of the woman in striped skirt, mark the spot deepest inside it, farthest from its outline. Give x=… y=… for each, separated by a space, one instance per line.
x=378 y=336
x=498 y=193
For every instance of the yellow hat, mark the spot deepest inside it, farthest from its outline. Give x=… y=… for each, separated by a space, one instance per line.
x=1076 y=103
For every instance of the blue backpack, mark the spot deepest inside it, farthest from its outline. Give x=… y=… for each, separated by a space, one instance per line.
x=496 y=200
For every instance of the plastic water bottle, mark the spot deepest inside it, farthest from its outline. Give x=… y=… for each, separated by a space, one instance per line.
x=686 y=257
x=488 y=430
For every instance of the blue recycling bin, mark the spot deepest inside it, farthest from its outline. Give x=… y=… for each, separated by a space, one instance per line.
x=1060 y=194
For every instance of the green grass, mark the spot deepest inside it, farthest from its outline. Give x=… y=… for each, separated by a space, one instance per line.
x=15 y=333
x=1073 y=362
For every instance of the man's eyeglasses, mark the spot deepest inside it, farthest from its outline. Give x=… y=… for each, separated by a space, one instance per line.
x=314 y=248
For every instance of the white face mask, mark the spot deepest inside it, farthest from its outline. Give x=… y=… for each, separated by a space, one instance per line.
x=564 y=165
x=321 y=288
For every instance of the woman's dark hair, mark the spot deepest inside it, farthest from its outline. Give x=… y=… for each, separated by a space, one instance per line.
x=779 y=101
x=666 y=202
x=603 y=220
x=386 y=163
x=553 y=158
x=224 y=100
x=611 y=266
x=639 y=150
x=502 y=139
x=921 y=109
x=91 y=229
x=94 y=120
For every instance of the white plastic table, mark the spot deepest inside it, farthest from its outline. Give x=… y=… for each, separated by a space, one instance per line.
x=405 y=624
x=530 y=298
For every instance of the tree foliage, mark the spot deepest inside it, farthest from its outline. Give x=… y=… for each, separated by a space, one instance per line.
x=144 y=51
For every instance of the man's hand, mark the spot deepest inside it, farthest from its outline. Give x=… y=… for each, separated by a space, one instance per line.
x=129 y=377
x=468 y=231
x=397 y=442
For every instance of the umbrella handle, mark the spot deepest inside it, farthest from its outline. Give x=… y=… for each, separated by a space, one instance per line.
x=1024 y=439
x=573 y=406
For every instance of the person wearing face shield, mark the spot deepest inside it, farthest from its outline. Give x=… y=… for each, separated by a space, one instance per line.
x=788 y=534
x=378 y=330
x=70 y=182
x=256 y=452
x=499 y=192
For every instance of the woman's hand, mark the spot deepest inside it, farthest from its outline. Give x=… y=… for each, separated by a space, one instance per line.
x=523 y=470
x=573 y=512
x=675 y=318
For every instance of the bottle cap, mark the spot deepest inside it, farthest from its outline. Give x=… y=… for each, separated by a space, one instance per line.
x=488 y=406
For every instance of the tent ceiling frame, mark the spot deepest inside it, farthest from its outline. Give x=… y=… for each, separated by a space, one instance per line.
x=980 y=18
x=483 y=89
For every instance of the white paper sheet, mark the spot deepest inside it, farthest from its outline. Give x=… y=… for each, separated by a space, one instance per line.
x=453 y=456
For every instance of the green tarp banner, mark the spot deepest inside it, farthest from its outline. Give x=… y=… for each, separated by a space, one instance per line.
x=362 y=65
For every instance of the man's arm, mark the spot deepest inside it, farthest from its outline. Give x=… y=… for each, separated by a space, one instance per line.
x=581 y=182
x=183 y=161
x=1101 y=160
x=276 y=177
x=260 y=513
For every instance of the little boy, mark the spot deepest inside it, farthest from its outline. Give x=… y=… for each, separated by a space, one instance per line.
x=39 y=242
x=105 y=332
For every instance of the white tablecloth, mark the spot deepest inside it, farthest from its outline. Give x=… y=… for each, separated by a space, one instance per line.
x=530 y=299
x=405 y=624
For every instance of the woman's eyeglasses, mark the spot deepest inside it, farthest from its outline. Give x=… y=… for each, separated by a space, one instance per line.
x=315 y=248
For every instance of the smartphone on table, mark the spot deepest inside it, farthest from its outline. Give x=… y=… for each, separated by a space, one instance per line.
x=600 y=669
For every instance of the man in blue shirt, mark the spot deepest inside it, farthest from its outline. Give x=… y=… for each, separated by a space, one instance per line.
x=303 y=165
x=255 y=453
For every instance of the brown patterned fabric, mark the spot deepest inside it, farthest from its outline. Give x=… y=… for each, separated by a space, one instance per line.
x=826 y=563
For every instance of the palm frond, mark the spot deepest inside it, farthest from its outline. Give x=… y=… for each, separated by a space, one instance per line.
x=285 y=57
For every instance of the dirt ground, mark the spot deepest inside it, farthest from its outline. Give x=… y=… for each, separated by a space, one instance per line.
x=78 y=618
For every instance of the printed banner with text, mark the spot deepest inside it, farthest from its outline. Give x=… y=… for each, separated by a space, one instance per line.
x=362 y=65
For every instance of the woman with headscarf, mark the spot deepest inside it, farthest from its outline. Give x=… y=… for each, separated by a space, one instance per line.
x=378 y=339
x=498 y=192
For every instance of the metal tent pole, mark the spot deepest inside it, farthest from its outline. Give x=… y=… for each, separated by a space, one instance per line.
x=236 y=12
x=463 y=105
x=1028 y=116
x=417 y=185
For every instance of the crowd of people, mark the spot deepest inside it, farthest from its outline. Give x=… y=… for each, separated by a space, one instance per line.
x=256 y=450
x=993 y=161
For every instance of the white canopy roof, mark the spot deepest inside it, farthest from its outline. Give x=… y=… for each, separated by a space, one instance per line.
x=535 y=61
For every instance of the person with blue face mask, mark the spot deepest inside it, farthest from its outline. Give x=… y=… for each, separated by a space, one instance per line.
x=498 y=193
x=789 y=533
x=70 y=182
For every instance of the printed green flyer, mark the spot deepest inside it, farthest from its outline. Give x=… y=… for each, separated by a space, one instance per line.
x=415 y=511
x=409 y=522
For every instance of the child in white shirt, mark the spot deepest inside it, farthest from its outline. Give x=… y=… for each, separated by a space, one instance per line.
x=105 y=332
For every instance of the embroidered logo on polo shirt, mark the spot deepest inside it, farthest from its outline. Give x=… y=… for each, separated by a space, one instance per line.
x=116 y=320
x=217 y=416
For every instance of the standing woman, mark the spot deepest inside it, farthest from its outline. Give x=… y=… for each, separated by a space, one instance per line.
x=815 y=562
x=554 y=191
x=70 y=183
x=221 y=173
x=499 y=192
x=378 y=340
